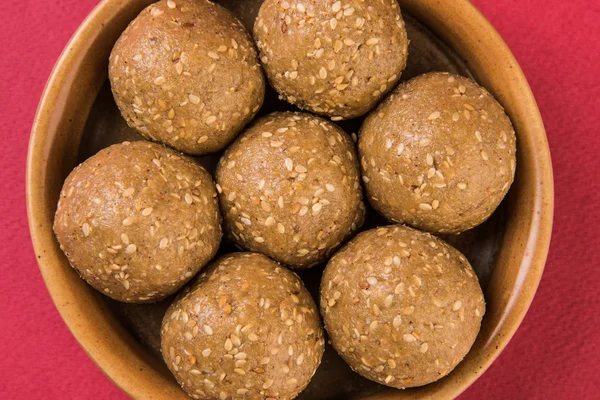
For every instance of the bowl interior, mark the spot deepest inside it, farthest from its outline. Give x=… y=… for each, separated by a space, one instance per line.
x=80 y=117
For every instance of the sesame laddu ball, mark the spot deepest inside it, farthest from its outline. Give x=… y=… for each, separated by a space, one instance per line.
x=138 y=220
x=289 y=188
x=401 y=306
x=334 y=58
x=246 y=328
x=186 y=73
x=438 y=154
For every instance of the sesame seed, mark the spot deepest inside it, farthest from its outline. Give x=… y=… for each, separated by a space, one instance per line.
x=228 y=344
x=268 y=383
x=202 y=139
x=131 y=249
x=399 y=288
x=435 y=204
x=434 y=115
x=372 y=41
x=171 y=4
x=188 y=198
x=388 y=300
x=213 y=55
x=316 y=208
x=423 y=348
x=208 y=330
x=348 y=42
x=484 y=155
x=457 y=306
x=338 y=46
x=127 y=221
x=478 y=136
x=397 y=321
x=210 y=120
x=128 y=192
x=280 y=228
x=194 y=99
x=337 y=6
x=409 y=338
x=429 y=159
x=163 y=243
x=289 y=164
x=349 y=11
x=425 y=206
x=86 y=229
x=206 y=352
x=323 y=73
x=462 y=186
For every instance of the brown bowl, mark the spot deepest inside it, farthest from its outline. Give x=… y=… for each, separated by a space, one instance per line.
x=77 y=117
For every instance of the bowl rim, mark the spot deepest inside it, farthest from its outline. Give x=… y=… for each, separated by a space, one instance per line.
x=116 y=368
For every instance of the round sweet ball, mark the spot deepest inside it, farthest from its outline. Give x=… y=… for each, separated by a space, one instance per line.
x=438 y=154
x=137 y=221
x=186 y=73
x=331 y=57
x=400 y=306
x=245 y=328
x=289 y=188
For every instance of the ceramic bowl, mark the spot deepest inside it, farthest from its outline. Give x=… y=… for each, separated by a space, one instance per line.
x=77 y=117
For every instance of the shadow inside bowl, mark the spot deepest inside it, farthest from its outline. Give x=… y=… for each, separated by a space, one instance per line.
x=334 y=379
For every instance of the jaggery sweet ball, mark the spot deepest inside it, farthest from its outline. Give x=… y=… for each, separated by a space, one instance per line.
x=186 y=73
x=289 y=188
x=438 y=154
x=400 y=306
x=245 y=328
x=331 y=57
x=138 y=220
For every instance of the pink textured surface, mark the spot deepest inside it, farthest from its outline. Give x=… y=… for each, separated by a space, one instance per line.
x=554 y=355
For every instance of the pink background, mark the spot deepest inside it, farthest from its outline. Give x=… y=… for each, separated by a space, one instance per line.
x=554 y=355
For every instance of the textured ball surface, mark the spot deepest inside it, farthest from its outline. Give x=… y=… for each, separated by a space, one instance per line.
x=246 y=328
x=438 y=154
x=332 y=58
x=289 y=188
x=400 y=306
x=137 y=221
x=186 y=73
